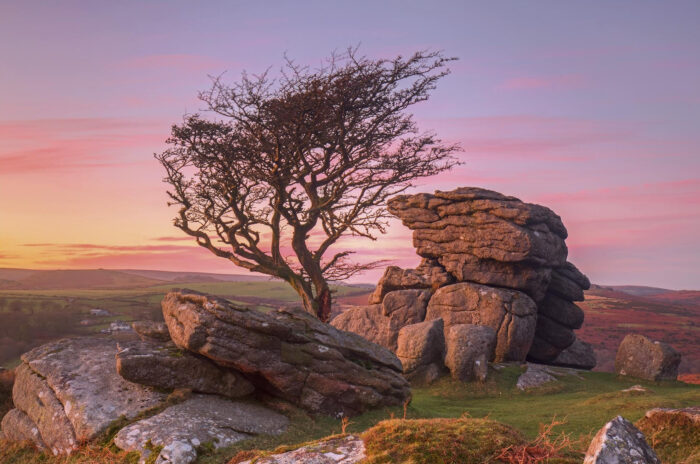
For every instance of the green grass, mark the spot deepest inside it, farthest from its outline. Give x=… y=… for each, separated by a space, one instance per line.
x=584 y=405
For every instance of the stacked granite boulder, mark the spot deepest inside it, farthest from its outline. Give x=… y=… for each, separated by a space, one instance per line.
x=488 y=259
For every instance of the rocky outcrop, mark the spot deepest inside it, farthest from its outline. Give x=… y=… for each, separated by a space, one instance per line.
x=469 y=348
x=288 y=353
x=511 y=314
x=640 y=357
x=71 y=390
x=179 y=430
x=164 y=365
x=421 y=350
x=347 y=449
x=620 y=442
x=151 y=330
x=478 y=243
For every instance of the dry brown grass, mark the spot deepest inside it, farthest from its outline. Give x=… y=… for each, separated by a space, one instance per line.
x=546 y=447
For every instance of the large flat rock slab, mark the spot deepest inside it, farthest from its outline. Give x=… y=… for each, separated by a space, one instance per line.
x=288 y=353
x=202 y=419
x=482 y=236
x=79 y=389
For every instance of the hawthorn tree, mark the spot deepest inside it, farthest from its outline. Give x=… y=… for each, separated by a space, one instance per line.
x=284 y=167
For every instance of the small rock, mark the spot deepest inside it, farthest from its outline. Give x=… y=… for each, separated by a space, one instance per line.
x=348 y=449
x=620 y=442
x=469 y=349
x=147 y=330
x=640 y=357
x=636 y=389
x=164 y=365
x=535 y=376
x=200 y=420
x=691 y=414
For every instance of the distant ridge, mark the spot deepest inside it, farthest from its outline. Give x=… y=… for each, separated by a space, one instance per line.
x=58 y=279
x=639 y=290
x=79 y=279
x=183 y=276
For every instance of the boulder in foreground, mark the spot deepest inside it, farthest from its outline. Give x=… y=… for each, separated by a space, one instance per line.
x=640 y=357
x=179 y=430
x=675 y=433
x=288 y=353
x=620 y=442
x=71 y=390
x=348 y=449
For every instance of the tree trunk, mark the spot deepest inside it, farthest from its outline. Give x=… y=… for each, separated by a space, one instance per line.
x=323 y=305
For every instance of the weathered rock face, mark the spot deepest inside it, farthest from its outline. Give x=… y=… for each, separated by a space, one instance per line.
x=395 y=278
x=180 y=429
x=19 y=427
x=640 y=357
x=163 y=365
x=579 y=355
x=151 y=330
x=561 y=311
x=289 y=353
x=380 y=324
x=510 y=313
x=71 y=390
x=558 y=317
x=368 y=321
x=421 y=349
x=620 y=442
x=32 y=395
x=469 y=348
x=349 y=449
x=568 y=283
x=485 y=237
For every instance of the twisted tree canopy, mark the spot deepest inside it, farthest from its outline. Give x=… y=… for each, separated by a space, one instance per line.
x=284 y=167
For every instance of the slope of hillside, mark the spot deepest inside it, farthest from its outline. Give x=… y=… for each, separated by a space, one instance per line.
x=83 y=279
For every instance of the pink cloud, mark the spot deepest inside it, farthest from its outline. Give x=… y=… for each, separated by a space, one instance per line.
x=59 y=145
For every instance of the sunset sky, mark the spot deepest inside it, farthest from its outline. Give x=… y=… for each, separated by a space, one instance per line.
x=591 y=108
